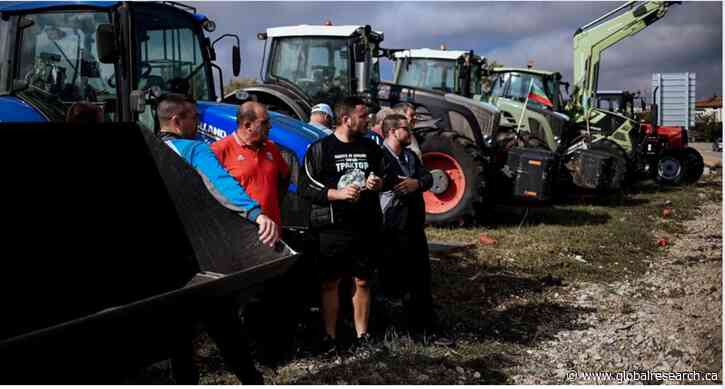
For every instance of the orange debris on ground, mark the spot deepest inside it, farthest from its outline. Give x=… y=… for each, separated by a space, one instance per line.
x=486 y=240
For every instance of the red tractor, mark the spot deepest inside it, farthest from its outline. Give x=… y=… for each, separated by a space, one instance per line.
x=663 y=151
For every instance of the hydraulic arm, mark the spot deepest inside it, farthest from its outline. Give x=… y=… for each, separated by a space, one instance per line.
x=593 y=38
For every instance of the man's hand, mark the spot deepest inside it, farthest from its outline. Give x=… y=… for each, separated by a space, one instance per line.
x=373 y=182
x=268 y=231
x=349 y=193
x=408 y=185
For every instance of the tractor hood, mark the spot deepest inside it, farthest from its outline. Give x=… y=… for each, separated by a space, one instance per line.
x=17 y=110
x=219 y=120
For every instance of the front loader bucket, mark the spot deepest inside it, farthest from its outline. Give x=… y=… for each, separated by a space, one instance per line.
x=113 y=249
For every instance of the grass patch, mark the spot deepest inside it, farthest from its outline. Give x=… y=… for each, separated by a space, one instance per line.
x=588 y=239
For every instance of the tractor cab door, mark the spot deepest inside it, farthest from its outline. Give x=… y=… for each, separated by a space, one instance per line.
x=169 y=57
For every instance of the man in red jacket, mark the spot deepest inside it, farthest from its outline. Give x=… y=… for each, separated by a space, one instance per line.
x=254 y=160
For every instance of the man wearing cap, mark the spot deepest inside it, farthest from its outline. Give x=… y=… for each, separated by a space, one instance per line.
x=321 y=117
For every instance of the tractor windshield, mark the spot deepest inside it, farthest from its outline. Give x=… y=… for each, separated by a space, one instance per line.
x=57 y=56
x=168 y=43
x=318 y=66
x=516 y=85
x=436 y=74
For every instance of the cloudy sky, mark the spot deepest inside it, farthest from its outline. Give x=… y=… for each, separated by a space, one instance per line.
x=687 y=39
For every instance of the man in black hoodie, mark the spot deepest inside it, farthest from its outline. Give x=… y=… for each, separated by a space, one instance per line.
x=342 y=178
x=405 y=269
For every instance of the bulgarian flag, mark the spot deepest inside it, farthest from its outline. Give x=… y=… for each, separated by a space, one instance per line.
x=537 y=94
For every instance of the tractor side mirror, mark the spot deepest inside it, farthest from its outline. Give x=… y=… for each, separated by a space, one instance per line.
x=236 y=56
x=236 y=61
x=106 y=44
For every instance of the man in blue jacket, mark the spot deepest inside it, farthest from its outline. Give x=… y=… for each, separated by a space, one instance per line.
x=178 y=121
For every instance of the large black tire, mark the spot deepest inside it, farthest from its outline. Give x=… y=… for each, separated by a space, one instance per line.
x=622 y=169
x=670 y=168
x=473 y=167
x=695 y=165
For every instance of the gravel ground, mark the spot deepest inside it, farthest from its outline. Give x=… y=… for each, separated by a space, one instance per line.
x=660 y=310
x=670 y=319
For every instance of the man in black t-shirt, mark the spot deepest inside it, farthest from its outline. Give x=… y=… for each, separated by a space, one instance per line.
x=342 y=179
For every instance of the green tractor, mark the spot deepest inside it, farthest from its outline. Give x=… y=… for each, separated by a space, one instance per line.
x=467 y=74
x=658 y=152
x=581 y=133
x=528 y=122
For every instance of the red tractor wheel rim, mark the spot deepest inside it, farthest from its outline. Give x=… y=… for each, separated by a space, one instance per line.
x=451 y=197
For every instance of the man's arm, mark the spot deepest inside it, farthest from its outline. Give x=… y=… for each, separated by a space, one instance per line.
x=425 y=179
x=221 y=185
x=311 y=187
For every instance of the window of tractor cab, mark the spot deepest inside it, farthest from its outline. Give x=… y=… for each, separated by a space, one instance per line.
x=474 y=87
x=429 y=74
x=170 y=57
x=498 y=82
x=6 y=28
x=57 y=57
x=518 y=86
x=319 y=66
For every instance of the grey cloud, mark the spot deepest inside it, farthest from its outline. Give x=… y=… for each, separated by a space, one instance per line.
x=687 y=39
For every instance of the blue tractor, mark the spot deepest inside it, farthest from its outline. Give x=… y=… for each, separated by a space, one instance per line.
x=135 y=276
x=122 y=55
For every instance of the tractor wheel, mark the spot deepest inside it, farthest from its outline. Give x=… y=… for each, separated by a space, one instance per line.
x=695 y=165
x=458 y=177
x=670 y=168
x=622 y=173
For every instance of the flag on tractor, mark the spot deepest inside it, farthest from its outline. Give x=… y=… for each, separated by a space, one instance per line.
x=537 y=94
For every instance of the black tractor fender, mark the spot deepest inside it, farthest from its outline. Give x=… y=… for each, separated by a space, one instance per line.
x=466 y=117
x=277 y=99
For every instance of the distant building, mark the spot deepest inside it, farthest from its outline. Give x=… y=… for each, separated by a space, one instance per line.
x=709 y=108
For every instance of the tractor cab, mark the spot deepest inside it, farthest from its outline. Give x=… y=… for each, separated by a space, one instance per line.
x=513 y=84
x=449 y=71
x=312 y=64
x=622 y=102
x=120 y=56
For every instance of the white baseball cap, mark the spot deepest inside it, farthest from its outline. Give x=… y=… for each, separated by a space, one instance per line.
x=324 y=108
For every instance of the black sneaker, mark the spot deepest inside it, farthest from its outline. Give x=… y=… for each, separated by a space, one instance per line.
x=328 y=347
x=364 y=346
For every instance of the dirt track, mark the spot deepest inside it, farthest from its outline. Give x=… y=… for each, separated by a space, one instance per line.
x=670 y=319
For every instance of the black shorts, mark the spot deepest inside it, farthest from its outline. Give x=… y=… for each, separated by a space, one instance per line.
x=346 y=253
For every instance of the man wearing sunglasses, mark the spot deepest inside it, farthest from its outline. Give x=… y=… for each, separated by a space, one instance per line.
x=405 y=270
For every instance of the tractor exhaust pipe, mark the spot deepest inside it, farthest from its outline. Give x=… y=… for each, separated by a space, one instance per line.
x=361 y=73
